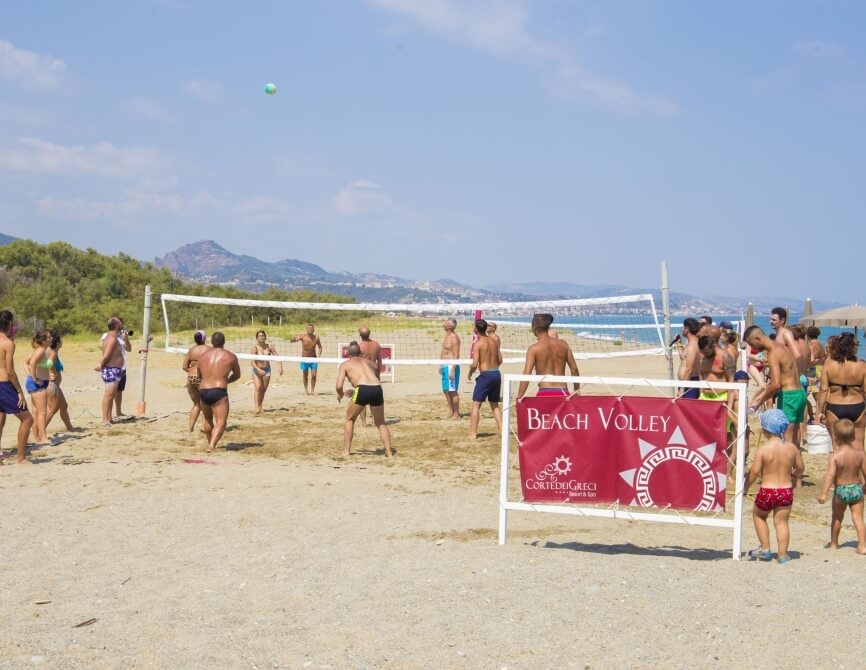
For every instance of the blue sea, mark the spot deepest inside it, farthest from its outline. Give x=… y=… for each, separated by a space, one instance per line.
x=649 y=336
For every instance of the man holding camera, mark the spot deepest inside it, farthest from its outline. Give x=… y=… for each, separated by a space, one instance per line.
x=124 y=338
x=113 y=364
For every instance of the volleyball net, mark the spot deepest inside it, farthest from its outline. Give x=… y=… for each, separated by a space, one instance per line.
x=607 y=327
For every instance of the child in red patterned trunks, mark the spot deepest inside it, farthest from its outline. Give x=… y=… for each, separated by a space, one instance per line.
x=845 y=473
x=780 y=466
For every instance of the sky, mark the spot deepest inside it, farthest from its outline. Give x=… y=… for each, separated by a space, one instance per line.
x=484 y=141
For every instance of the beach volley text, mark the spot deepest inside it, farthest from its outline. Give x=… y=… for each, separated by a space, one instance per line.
x=607 y=418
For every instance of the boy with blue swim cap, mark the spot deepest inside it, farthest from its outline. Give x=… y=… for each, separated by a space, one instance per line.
x=779 y=465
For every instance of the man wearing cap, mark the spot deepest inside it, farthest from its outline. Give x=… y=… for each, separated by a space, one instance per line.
x=784 y=380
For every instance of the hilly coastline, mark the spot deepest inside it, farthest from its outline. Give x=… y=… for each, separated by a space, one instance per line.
x=209 y=263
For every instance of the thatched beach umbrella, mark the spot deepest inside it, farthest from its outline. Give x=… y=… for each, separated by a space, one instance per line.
x=851 y=316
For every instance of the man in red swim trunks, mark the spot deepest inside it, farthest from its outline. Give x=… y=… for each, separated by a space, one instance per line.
x=780 y=466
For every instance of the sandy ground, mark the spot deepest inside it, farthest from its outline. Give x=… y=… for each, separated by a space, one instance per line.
x=130 y=547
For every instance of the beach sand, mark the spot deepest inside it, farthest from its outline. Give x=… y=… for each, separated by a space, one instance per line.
x=129 y=547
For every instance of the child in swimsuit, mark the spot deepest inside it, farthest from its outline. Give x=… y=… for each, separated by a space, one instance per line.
x=779 y=465
x=846 y=472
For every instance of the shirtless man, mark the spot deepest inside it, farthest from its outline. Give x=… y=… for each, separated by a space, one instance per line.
x=689 y=355
x=217 y=368
x=548 y=356
x=364 y=377
x=804 y=358
x=784 y=336
x=310 y=344
x=371 y=351
x=784 y=380
x=487 y=359
x=450 y=374
x=715 y=365
x=491 y=332
x=111 y=366
x=125 y=339
x=12 y=399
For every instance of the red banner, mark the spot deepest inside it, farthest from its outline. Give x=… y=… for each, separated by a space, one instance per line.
x=646 y=452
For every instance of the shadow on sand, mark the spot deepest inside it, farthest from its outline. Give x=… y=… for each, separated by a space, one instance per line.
x=688 y=553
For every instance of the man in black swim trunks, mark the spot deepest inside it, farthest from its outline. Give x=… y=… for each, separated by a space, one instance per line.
x=363 y=376
x=217 y=368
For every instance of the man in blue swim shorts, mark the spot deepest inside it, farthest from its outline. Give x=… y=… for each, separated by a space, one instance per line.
x=311 y=347
x=450 y=374
x=11 y=395
x=487 y=358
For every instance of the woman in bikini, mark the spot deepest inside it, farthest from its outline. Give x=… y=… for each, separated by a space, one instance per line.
x=190 y=367
x=262 y=369
x=842 y=393
x=37 y=382
x=56 y=400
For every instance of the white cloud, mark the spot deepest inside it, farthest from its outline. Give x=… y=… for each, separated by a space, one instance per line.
x=102 y=159
x=205 y=90
x=30 y=69
x=131 y=204
x=362 y=197
x=500 y=28
x=148 y=109
x=261 y=210
x=22 y=116
x=151 y=198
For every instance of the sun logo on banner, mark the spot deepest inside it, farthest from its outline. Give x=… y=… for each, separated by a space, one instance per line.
x=560 y=467
x=688 y=463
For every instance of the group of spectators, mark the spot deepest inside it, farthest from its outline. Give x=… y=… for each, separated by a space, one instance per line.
x=43 y=379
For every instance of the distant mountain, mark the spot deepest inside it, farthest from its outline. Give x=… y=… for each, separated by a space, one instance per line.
x=6 y=239
x=207 y=262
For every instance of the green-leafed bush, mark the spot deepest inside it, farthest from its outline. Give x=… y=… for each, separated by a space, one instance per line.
x=60 y=287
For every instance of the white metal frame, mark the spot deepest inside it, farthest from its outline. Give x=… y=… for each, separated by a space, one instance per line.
x=505 y=505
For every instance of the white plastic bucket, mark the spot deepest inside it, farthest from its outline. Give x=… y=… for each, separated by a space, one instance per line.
x=817 y=439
